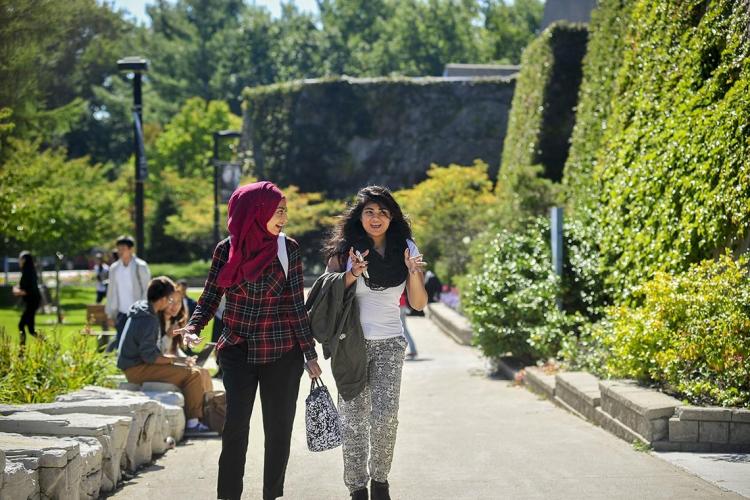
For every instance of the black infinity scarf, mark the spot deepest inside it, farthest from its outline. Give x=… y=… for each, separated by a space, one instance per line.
x=384 y=271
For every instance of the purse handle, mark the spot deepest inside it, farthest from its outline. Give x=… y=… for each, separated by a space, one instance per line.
x=316 y=382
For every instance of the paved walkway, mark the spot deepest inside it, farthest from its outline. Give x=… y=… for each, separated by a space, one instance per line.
x=461 y=436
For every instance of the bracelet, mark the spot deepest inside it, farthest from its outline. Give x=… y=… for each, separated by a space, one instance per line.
x=355 y=275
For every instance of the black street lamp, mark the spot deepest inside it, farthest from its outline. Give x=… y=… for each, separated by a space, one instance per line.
x=222 y=134
x=137 y=65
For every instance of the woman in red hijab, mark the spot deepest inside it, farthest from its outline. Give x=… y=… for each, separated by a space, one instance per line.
x=266 y=332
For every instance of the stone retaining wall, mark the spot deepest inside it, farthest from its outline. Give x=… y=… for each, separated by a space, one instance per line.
x=636 y=413
x=79 y=446
x=451 y=322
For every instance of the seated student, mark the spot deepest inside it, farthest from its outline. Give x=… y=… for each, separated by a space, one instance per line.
x=139 y=357
x=174 y=317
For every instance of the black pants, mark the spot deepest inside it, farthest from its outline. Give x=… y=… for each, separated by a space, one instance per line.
x=100 y=296
x=279 y=386
x=28 y=318
x=122 y=318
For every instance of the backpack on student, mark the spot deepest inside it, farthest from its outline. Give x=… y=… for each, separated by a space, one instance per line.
x=215 y=410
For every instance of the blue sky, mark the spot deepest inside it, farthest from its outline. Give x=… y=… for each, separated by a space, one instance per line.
x=138 y=7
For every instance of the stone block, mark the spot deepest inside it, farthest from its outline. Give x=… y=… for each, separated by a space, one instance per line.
x=714 y=432
x=739 y=433
x=643 y=410
x=19 y=482
x=167 y=398
x=712 y=413
x=612 y=425
x=176 y=419
x=59 y=462
x=455 y=325
x=579 y=390
x=91 y=467
x=159 y=387
x=111 y=431
x=681 y=431
x=159 y=442
x=540 y=382
x=741 y=415
x=145 y=425
x=127 y=386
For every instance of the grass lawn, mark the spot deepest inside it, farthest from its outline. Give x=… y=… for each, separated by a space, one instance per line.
x=195 y=269
x=74 y=300
x=73 y=303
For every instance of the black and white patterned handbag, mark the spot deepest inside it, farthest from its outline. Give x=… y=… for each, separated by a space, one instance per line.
x=321 y=418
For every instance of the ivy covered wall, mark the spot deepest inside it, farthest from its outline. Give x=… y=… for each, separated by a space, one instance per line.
x=336 y=135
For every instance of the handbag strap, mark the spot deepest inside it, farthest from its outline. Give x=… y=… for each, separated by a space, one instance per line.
x=316 y=382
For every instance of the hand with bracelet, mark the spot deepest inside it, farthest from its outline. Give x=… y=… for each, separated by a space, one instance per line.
x=359 y=264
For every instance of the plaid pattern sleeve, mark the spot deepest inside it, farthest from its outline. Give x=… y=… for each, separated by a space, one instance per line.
x=212 y=292
x=268 y=314
x=300 y=322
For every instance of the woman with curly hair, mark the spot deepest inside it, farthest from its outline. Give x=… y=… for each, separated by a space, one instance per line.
x=372 y=246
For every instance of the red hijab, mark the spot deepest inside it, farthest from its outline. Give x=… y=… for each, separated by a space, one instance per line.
x=253 y=247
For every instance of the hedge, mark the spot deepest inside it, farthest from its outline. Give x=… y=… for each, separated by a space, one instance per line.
x=672 y=172
x=607 y=29
x=543 y=111
x=332 y=134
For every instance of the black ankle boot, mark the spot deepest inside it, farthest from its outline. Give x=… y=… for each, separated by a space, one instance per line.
x=360 y=494
x=379 y=490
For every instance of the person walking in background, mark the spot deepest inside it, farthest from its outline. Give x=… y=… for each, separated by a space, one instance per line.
x=128 y=283
x=138 y=354
x=404 y=307
x=101 y=274
x=28 y=290
x=433 y=286
x=372 y=251
x=266 y=332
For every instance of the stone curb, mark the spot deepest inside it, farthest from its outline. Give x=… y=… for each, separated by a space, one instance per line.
x=77 y=447
x=450 y=322
x=539 y=382
x=635 y=413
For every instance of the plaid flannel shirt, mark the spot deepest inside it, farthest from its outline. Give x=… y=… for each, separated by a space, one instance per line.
x=268 y=314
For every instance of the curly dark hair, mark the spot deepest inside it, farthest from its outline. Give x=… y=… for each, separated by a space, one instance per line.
x=348 y=231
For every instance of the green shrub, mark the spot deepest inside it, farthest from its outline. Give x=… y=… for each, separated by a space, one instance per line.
x=691 y=334
x=45 y=369
x=446 y=211
x=511 y=300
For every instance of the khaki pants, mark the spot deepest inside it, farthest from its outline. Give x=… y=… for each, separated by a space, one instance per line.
x=189 y=380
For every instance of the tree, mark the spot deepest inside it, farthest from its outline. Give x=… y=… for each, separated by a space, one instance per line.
x=509 y=27
x=52 y=204
x=447 y=211
x=185 y=47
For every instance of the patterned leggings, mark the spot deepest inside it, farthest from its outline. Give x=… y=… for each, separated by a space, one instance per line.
x=369 y=421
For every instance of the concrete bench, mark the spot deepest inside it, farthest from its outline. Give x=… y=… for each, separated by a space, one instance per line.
x=57 y=463
x=110 y=431
x=167 y=395
x=146 y=421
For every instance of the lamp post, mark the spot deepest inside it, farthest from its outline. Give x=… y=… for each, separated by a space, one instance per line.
x=137 y=65
x=222 y=134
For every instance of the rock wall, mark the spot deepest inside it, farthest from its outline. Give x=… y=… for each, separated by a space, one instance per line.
x=336 y=135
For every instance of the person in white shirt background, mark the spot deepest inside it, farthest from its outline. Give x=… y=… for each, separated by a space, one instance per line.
x=128 y=283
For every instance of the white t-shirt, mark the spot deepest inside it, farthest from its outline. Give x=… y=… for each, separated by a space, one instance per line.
x=125 y=293
x=379 y=310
